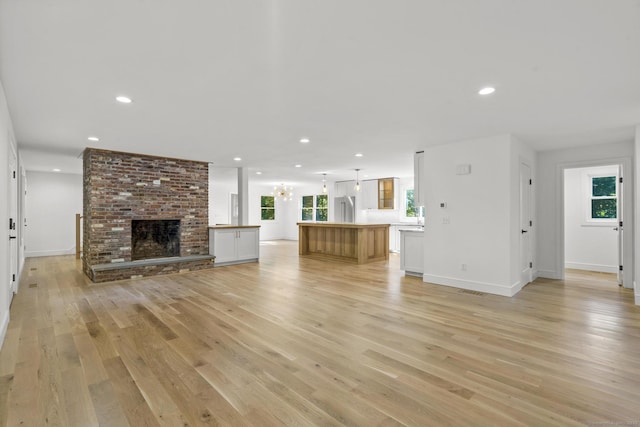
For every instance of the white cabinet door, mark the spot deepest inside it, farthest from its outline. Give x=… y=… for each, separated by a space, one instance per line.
x=370 y=194
x=248 y=244
x=394 y=244
x=224 y=246
x=412 y=252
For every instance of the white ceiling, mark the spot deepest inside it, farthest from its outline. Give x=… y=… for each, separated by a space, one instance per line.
x=214 y=79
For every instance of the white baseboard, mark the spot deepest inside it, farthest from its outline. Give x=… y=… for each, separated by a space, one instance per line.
x=592 y=267
x=636 y=292
x=490 y=288
x=3 y=327
x=548 y=274
x=53 y=252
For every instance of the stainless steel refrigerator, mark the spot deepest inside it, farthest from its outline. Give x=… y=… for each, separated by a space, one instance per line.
x=344 y=209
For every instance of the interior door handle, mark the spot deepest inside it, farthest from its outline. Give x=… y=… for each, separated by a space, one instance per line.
x=615 y=228
x=524 y=231
x=12 y=237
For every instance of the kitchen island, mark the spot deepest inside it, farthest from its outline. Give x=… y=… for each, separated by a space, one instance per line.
x=359 y=243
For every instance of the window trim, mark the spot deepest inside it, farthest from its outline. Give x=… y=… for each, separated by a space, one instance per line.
x=599 y=222
x=262 y=208
x=314 y=209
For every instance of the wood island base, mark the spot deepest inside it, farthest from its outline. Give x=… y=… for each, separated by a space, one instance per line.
x=359 y=243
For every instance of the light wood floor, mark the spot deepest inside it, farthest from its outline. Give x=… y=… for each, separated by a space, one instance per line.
x=300 y=342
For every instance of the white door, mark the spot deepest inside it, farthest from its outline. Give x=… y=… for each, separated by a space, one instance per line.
x=13 y=217
x=620 y=229
x=525 y=224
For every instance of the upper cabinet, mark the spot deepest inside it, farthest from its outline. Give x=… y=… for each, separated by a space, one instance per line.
x=369 y=194
x=418 y=173
x=386 y=193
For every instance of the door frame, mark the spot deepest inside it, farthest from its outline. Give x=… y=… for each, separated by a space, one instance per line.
x=529 y=229
x=13 y=213
x=626 y=171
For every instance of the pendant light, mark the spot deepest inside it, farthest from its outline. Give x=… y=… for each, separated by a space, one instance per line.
x=324 y=183
x=357 y=188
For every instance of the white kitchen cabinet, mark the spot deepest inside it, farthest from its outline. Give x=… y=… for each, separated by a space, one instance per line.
x=394 y=239
x=412 y=252
x=418 y=174
x=369 y=190
x=345 y=188
x=234 y=245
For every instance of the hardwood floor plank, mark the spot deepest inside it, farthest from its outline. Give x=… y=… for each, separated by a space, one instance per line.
x=299 y=341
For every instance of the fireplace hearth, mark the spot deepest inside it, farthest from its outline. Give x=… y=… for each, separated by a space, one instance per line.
x=155 y=238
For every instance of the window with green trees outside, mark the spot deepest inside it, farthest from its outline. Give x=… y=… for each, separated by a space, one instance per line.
x=267 y=208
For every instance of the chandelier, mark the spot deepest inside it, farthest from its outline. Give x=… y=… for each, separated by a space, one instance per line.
x=283 y=192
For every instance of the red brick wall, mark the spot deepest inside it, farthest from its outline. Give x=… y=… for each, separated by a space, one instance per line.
x=119 y=187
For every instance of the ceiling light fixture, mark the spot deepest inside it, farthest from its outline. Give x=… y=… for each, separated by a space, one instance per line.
x=283 y=192
x=486 y=90
x=237 y=159
x=93 y=138
x=258 y=173
x=56 y=170
x=324 y=183
x=305 y=140
x=298 y=166
x=357 y=187
x=359 y=154
x=123 y=99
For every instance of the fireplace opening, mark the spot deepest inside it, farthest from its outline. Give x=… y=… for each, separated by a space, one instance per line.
x=155 y=238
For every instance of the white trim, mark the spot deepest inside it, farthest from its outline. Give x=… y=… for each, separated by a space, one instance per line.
x=548 y=274
x=592 y=267
x=53 y=252
x=4 y=324
x=490 y=288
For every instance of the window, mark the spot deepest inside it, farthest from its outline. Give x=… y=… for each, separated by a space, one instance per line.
x=410 y=208
x=307 y=208
x=604 y=199
x=267 y=208
x=320 y=208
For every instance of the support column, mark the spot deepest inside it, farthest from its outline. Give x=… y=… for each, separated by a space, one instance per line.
x=243 y=196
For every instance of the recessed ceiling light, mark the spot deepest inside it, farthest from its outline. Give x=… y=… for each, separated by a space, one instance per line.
x=487 y=90
x=305 y=140
x=359 y=154
x=237 y=159
x=123 y=99
x=93 y=138
x=258 y=173
x=298 y=166
x=56 y=170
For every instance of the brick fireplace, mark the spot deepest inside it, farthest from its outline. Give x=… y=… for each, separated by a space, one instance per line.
x=157 y=206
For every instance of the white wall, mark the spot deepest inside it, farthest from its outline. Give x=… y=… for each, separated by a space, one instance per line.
x=52 y=202
x=549 y=232
x=636 y=282
x=480 y=224
x=222 y=183
x=6 y=143
x=587 y=246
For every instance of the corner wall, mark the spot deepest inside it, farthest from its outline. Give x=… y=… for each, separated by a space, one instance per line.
x=52 y=201
x=472 y=242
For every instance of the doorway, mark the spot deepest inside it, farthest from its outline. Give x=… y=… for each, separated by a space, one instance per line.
x=593 y=212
